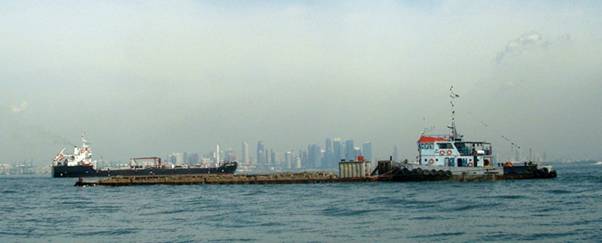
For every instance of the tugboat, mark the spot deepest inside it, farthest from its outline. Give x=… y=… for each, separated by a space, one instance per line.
x=444 y=157
x=80 y=164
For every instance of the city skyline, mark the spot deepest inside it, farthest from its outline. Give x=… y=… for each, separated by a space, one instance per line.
x=333 y=149
x=313 y=156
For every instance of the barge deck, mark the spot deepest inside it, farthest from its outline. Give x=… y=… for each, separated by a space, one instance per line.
x=222 y=179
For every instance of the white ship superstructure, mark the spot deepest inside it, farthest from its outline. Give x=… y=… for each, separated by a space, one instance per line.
x=441 y=150
x=81 y=156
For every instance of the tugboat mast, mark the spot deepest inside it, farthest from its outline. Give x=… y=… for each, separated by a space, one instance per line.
x=454 y=136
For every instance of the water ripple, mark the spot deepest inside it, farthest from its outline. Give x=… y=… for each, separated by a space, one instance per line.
x=565 y=209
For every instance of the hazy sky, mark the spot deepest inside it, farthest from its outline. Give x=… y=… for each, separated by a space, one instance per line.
x=152 y=77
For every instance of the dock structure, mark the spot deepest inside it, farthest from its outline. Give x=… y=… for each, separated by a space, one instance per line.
x=354 y=169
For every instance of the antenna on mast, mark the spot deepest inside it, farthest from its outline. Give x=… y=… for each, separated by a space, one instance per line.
x=453 y=131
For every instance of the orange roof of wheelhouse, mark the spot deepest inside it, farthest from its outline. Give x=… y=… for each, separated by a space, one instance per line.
x=432 y=139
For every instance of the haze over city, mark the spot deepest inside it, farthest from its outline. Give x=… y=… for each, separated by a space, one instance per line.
x=153 y=77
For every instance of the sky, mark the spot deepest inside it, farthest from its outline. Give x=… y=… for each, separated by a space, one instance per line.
x=145 y=78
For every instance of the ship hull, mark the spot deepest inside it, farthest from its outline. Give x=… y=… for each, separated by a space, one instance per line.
x=413 y=172
x=88 y=171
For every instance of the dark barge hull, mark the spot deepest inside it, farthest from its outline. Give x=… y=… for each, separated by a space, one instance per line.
x=89 y=171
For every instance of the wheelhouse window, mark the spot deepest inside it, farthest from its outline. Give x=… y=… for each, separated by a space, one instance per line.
x=463 y=149
x=487 y=149
x=426 y=146
x=445 y=146
x=471 y=148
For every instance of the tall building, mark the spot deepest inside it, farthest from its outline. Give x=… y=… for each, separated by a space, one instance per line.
x=303 y=160
x=329 y=161
x=314 y=154
x=367 y=151
x=273 y=160
x=193 y=158
x=230 y=155
x=357 y=151
x=396 y=154
x=337 y=150
x=297 y=163
x=178 y=158
x=245 y=153
x=217 y=158
x=288 y=160
x=349 y=150
x=261 y=154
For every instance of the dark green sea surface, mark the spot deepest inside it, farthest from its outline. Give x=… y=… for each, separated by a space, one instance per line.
x=568 y=208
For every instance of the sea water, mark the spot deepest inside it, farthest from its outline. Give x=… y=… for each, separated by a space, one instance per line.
x=568 y=208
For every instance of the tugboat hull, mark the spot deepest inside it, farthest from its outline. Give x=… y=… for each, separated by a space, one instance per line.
x=410 y=172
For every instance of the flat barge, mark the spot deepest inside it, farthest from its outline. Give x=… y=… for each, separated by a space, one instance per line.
x=223 y=179
x=349 y=171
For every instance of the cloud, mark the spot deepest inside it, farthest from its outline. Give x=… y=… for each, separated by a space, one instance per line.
x=525 y=42
x=290 y=73
x=20 y=107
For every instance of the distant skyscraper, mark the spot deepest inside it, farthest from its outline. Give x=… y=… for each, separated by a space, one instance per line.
x=218 y=152
x=179 y=158
x=193 y=158
x=356 y=152
x=273 y=160
x=245 y=153
x=349 y=150
x=261 y=154
x=171 y=158
x=314 y=153
x=329 y=161
x=338 y=150
x=229 y=155
x=367 y=151
x=396 y=154
x=297 y=163
x=288 y=160
x=303 y=159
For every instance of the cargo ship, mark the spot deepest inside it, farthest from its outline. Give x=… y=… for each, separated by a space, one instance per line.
x=80 y=164
x=441 y=157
